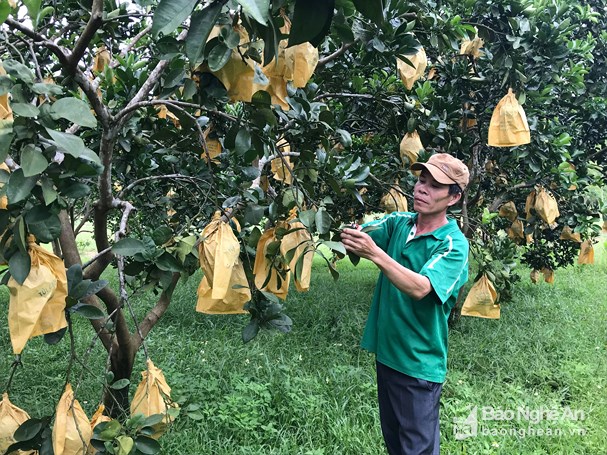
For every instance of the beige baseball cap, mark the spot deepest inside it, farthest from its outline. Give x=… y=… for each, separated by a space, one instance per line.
x=445 y=169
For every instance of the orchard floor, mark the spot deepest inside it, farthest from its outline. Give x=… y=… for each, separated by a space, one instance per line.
x=533 y=382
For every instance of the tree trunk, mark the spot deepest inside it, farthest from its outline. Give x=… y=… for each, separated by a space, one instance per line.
x=116 y=401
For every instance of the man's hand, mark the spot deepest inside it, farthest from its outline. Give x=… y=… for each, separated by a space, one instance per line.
x=357 y=242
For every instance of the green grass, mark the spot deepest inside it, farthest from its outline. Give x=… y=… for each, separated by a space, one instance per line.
x=312 y=391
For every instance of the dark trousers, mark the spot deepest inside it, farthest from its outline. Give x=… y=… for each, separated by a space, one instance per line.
x=408 y=411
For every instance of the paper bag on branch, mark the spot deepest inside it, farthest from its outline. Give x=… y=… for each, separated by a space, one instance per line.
x=213 y=146
x=410 y=74
x=508 y=126
x=72 y=429
x=534 y=276
x=394 y=201
x=548 y=275
x=11 y=417
x=153 y=396
x=568 y=234
x=546 y=206
x=6 y=113
x=472 y=47
x=481 y=300
x=300 y=240
x=410 y=146
x=586 y=253
x=3 y=199
x=516 y=230
x=281 y=166
x=271 y=270
x=37 y=307
x=224 y=288
x=508 y=210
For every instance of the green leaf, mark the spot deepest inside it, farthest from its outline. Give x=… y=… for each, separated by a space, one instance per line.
x=74 y=110
x=47 y=230
x=6 y=137
x=120 y=384
x=147 y=446
x=243 y=141
x=128 y=247
x=335 y=246
x=55 y=337
x=44 y=88
x=170 y=14
x=323 y=221
x=18 y=71
x=25 y=110
x=311 y=21
x=94 y=288
x=219 y=56
x=153 y=420
x=257 y=9
x=76 y=190
x=89 y=311
x=19 y=186
x=307 y=217
x=345 y=138
x=201 y=24
x=5 y=10
x=169 y=263
x=28 y=430
x=33 y=8
x=19 y=266
x=72 y=145
x=125 y=444
x=106 y=431
x=162 y=235
x=33 y=161
x=371 y=9
x=48 y=191
x=250 y=331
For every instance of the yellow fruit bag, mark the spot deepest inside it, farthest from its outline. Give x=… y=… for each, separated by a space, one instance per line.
x=508 y=210
x=410 y=74
x=6 y=113
x=481 y=301
x=516 y=230
x=224 y=288
x=281 y=166
x=568 y=234
x=534 y=276
x=410 y=146
x=546 y=206
x=3 y=199
x=11 y=417
x=548 y=275
x=299 y=239
x=37 y=307
x=472 y=47
x=394 y=201
x=508 y=126
x=102 y=59
x=153 y=396
x=271 y=275
x=72 y=430
x=586 y=253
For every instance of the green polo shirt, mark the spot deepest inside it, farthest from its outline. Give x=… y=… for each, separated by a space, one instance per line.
x=407 y=335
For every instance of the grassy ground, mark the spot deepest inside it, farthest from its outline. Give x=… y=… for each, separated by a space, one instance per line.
x=312 y=391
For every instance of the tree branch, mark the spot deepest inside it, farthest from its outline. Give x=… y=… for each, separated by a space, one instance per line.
x=38 y=38
x=95 y=21
x=338 y=53
x=156 y=313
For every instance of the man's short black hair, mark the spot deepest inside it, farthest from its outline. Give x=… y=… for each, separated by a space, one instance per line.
x=454 y=189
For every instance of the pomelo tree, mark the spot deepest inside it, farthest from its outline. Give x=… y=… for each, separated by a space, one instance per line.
x=124 y=117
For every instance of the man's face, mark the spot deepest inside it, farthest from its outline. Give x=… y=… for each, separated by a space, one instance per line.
x=430 y=196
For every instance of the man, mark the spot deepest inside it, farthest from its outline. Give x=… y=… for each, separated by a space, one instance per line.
x=423 y=259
